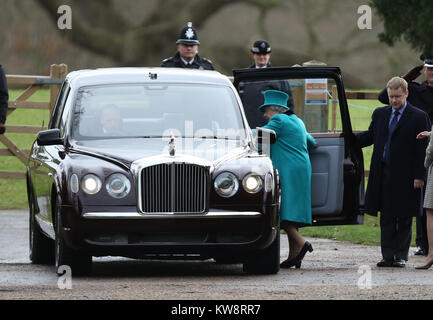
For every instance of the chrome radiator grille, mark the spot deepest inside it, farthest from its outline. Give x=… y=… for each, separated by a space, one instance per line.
x=174 y=187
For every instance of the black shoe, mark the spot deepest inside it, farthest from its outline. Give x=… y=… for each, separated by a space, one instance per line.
x=286 y=264
x=399 y=263
x=296 y=261
x=384 y=263
x=420 y=251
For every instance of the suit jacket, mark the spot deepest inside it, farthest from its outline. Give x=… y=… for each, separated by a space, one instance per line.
x=406 y=164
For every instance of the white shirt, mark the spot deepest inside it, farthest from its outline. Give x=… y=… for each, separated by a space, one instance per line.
x=186 y=62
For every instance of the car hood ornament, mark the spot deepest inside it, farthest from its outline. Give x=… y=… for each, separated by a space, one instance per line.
x=172 y=146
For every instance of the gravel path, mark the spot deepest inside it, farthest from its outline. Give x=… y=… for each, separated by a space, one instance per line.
x=334 y=270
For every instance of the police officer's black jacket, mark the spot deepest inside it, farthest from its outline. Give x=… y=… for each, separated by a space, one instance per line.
x=252 y=97
x=253 y=66
x=4 y=96
x=198 y=63
x=420 y=95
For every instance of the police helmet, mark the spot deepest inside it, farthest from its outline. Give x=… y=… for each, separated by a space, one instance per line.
x=261 y=47
x=188 y=36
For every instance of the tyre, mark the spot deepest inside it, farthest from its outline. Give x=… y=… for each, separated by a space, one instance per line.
x=265 y=261
x=80 y=263
x=41 y=248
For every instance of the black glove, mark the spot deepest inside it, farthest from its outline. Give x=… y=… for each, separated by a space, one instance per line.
x=413 y=73
x=2 y=128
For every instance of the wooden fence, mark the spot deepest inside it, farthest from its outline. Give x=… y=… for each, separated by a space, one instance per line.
x=349 y=96
x=32 y=85
x=54 y=80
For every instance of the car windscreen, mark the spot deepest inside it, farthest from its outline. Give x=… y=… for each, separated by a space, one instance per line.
x=160 y=110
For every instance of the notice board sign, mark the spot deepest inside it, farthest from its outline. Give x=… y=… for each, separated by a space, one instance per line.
x=316 y=91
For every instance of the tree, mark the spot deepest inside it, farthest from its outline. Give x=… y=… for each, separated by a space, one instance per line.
x=409 y=20
x=142 y=33
x=99 y=26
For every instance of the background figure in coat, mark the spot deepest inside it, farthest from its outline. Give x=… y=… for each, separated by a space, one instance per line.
x=428 y=200
x=251 y=93
x=420 y=96
x=290 y=156
x=397 y=171
x=4 y=98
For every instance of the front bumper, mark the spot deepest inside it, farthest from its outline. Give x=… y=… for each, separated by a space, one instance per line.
x=133 y=234
x=136 y=215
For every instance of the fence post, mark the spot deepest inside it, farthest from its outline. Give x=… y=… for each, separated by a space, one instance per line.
x=56 y=72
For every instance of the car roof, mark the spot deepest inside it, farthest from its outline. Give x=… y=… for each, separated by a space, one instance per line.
x=144 y=75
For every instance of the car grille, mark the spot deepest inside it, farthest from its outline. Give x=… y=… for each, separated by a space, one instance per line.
x=174 y=187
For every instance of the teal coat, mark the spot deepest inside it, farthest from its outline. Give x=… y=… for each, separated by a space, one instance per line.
x=290 y=156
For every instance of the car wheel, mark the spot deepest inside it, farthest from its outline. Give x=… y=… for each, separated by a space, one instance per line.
x=80 y=263
x=40 y=246
x=265 y=261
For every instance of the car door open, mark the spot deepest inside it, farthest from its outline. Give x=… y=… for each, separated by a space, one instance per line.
x=337 y=186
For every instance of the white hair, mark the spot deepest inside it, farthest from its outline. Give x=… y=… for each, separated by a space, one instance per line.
x=277 y=108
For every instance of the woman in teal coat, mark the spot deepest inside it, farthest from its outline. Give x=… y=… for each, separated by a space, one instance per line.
x=290 y=156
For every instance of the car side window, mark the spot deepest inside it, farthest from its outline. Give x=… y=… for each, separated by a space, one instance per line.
x=311 y=99
x=58 y=109
x=65 y=113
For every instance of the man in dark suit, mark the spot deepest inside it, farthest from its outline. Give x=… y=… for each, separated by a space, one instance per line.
x=397 y=172
x=421 y=96
x=4 y=98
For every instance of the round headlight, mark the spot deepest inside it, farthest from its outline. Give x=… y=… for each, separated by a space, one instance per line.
x=118 y=186
x=252 y=183
x=91 y=184
x=226 y=184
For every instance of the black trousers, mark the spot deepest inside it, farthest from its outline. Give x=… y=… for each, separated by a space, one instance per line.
x=395 y=232
x=395 y=237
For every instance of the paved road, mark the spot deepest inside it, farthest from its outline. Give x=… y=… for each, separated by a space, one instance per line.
x=333 y=271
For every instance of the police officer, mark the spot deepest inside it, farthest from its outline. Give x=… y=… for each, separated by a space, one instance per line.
x=187 y=52
x=4 y=97
x=252 y=93
x=421 y=96
x=261 y=52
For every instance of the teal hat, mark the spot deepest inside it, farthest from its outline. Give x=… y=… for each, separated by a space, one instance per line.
x=275 y=98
